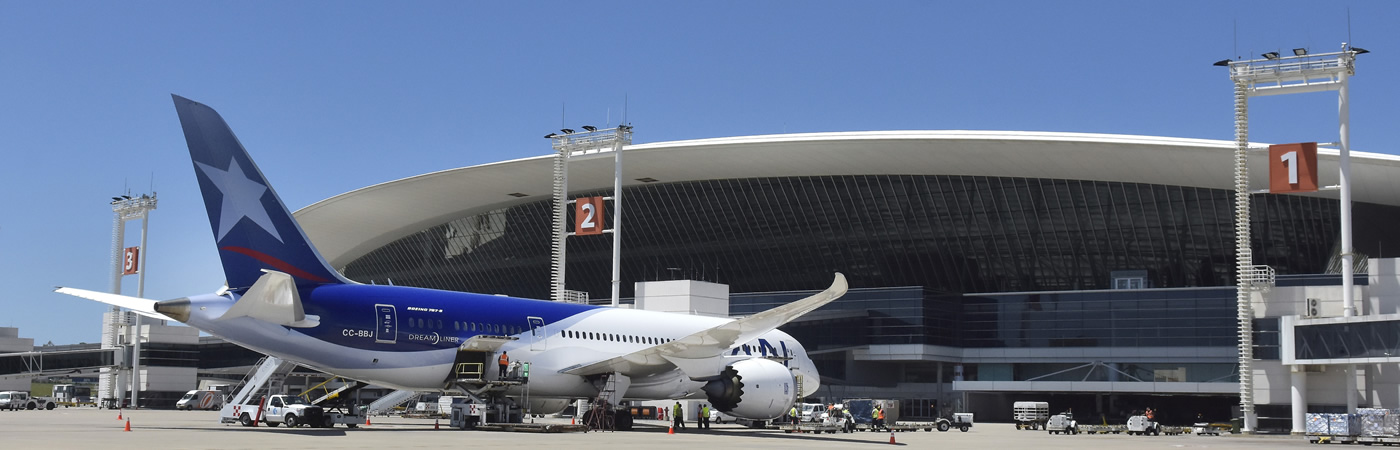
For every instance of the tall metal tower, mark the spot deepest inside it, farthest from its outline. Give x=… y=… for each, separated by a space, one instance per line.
x=592 y=142
x=121 y=328
x=1277 y=75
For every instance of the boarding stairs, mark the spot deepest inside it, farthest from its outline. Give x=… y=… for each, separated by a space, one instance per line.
x=391 y=400
x=598 y=417
x=267 y=379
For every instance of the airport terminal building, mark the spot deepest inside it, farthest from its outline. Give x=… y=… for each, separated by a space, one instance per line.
x=1092 y=271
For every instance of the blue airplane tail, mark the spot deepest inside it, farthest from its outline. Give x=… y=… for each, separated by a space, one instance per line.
x=252 y=228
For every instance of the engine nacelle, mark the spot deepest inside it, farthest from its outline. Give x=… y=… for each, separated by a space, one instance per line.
x=549 y=405
x=753 y=389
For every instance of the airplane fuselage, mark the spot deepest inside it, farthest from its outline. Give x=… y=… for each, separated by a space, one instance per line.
x=409 y=338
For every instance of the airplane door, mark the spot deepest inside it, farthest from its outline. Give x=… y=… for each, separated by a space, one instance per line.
x=537 y=333
x=387 y=324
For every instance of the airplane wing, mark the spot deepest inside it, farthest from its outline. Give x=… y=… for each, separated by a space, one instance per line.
x=135 y=304
x=701 y=354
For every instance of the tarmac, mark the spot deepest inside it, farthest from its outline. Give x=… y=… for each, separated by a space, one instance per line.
x=91 y=428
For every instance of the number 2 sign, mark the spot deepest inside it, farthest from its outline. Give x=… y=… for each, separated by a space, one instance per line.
x=588 y=216
x=1293 y=168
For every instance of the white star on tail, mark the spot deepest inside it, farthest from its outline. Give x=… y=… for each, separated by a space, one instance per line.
x=242 y=198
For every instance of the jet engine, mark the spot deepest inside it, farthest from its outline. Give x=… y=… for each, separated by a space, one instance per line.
x=753 y=389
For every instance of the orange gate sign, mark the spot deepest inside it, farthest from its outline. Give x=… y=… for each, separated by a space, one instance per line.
x=588 y=216
x=1293 y=168
x=131 y=261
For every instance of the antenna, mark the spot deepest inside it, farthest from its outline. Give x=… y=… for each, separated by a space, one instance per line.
x=624 y=109
x=561 y=115
x=1235 y=26
x=1348 y=26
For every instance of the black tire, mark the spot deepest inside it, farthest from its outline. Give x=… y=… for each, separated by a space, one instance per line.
x=963 y=428
x=50 y=407
x=291 y=421
x=327 y=422
x=352 y=425
x=943 y=426
x=245 y=420
x=623 y=422
x=30 y=406
x=269 y=424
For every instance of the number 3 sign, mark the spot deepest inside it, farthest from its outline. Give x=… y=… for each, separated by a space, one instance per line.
x=1293 y=168
x=131 y=262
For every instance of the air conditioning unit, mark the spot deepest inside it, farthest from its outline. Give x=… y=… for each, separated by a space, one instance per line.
x=1312 y=308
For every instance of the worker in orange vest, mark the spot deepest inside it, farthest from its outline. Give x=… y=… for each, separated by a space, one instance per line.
x=504 y=361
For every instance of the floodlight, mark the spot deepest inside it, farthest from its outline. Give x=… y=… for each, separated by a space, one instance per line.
x=1270 y=55
x=590 y=128
x=567 y=131
x=1300 y=52
x=550 y=136
x=1222 y=63
x=1359 y=50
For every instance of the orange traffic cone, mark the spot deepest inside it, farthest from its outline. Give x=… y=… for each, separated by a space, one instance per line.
x=128 y=425
x=119 y=414
x=892 y=436
x=671 y=430
x=366 y=419
x=435 y=424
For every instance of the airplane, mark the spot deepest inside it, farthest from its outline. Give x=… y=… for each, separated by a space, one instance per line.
x=283 y=299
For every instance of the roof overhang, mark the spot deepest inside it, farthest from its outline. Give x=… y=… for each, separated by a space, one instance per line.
x=343 y=227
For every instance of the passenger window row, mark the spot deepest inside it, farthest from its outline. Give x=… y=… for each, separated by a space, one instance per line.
x=611 y=337
x=436 y=324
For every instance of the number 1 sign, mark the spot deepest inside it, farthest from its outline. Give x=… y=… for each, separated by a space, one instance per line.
x=1293 y=168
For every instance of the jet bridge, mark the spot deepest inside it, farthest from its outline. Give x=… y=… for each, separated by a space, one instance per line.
x=39 y=363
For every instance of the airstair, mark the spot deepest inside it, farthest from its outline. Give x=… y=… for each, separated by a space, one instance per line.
x=597 y=417
x=387 y=403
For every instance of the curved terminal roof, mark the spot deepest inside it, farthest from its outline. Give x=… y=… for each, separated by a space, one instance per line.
x=344 y=228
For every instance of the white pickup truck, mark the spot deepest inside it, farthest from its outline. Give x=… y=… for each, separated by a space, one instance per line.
x=292 y=411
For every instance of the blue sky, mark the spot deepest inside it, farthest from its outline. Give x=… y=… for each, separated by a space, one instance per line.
x=330 y=96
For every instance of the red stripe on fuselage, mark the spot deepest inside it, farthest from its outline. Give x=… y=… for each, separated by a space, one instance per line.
x=275 y=263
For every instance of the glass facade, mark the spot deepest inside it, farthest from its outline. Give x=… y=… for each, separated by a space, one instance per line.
x=1379 y=339
x=958 y=234
x=1199 y=317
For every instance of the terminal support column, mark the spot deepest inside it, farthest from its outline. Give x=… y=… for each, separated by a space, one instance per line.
x=1298 y=388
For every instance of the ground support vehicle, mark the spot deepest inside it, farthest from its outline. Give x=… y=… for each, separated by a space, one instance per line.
x=1101 y=429
x=1141 y=425
x=1062 y=423
x=291 y=411
x=1212 y=429
x=961 y=421
x=467 y=415
x=13 y=400
x=1030 y=415
x=206 y=399
x=811 y=427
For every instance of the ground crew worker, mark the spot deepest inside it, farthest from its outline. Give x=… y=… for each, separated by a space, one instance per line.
x=677 y=416
x=504 y=361
x=879 y=417
x=850 y=421
x=792 y=415
x=1150 y=416
x=705 y=416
